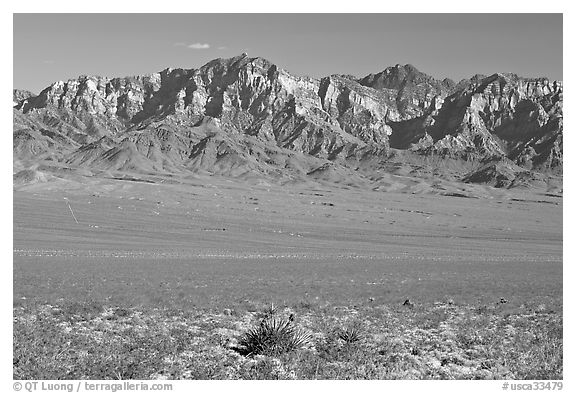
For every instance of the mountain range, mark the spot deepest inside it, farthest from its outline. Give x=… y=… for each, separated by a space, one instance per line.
x=245 y=117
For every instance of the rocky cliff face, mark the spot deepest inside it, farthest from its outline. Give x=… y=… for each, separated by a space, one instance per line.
x=245 y=115
x=20 y=96
x=500 y=116
x=414 y=92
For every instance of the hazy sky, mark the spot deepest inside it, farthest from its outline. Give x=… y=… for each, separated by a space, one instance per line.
x=52 y=47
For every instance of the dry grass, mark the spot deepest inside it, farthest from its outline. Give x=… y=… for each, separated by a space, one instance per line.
x=441 y=341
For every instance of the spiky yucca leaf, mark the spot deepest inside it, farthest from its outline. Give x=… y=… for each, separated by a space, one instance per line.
x=274 y=336
x=350 y=334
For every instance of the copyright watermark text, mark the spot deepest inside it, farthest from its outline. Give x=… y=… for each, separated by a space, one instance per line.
x=542 y=385
x=85 y=386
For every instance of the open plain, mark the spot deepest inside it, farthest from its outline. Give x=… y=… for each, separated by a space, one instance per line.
x=217 y=254
x=215 y=242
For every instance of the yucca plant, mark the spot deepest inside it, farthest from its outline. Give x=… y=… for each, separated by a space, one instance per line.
x=350 y=334
x=274 y=336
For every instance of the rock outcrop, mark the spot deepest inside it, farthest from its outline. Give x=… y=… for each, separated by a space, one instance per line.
x=246 y=116
x=414 y=92
x=20 y=97
x=500 y=116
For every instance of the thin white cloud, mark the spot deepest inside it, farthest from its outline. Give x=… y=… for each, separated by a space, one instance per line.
x=48 y=61
x=179 y=44
x=199 y=45
x=222 y=48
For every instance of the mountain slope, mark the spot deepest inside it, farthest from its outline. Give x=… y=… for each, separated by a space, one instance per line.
x=245 y=116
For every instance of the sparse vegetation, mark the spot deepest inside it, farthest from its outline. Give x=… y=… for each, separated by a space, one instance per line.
x=351 y=334
x=274 y=336
x=440 y=341
x=111 y=298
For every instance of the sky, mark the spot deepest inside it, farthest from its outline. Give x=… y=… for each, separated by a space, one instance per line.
x=52 y=47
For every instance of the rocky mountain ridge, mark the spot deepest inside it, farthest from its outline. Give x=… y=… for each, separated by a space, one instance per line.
x=245 y=116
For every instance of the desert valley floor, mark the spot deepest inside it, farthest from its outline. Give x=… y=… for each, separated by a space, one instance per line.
x=213 y=244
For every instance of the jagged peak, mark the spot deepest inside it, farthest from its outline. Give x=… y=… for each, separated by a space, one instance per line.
x=478 y=77
x=237 y=62
x=168 y=71
x=404 y=70
x=467 y=82
x=506 y=77
x=249 y=99
x=19 y=94
x=408 y=68
x=509 y=77
x=398 y=76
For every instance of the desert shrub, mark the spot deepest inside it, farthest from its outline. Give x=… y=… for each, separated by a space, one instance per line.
x=274 y=336
x=351 y=334
x=76 y=341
